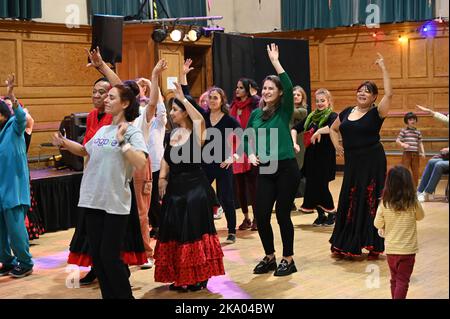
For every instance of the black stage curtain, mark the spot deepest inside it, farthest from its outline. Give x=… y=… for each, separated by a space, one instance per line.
x=237 y=56
x=57 y=201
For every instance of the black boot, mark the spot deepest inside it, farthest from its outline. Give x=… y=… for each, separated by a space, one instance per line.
x=89 y=278
x=320 y=220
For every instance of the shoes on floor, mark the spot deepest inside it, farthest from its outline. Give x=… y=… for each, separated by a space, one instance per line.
x=231 y=239
x=329 y=222
x=254 y=225
x=89 y=278
x=320 y=221
x=285 y=268
x=265 y=265
x=198 y=286
x=5 y=270
x=149 y=264
x=20 y=271
x=424 y=197
x=246 y=224
x=373 y=256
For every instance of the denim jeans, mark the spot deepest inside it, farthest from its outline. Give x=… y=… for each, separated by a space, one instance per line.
x=432 y=174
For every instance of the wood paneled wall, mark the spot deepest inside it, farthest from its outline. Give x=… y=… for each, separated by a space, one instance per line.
x=344 y=57
x=50 y=66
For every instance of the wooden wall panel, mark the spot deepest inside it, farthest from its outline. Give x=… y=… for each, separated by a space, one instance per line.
x=440 y=57
x=8 y=62
x=314 y=62
x=418 y=58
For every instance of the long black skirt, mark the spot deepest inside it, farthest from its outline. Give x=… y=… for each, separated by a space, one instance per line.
x=364 y=176
x=188 y=250
x=133 y=251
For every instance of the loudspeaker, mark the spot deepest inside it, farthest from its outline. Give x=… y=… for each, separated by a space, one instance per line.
x=73 y=127
x=107 y=34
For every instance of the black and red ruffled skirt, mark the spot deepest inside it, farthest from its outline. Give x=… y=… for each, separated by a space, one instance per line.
x=362 y=186
x=188 y=250
x=133 y=251
x=33 y=221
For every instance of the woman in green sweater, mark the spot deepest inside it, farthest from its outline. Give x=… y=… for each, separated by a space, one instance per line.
x=279 y=175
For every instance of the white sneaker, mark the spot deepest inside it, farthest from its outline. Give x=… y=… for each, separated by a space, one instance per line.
x=421 y=197
x=425 y=197
x=149 y=264
x=219 y=213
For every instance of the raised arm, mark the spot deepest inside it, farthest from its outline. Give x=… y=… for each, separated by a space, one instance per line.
x=155 y=93
x=383 y=107
x=196 y=117
x=274 y=54
x=97 y=62
x=20 y=115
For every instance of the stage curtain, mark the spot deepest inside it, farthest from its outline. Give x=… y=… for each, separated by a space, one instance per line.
x=57 y=201
x=21 y=9
x=181 y=9
x=114 y=7
x=313 y=14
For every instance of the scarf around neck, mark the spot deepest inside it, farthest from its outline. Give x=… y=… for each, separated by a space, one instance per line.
x=318 y=118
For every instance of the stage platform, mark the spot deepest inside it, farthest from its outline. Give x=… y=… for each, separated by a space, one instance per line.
x=56 y=193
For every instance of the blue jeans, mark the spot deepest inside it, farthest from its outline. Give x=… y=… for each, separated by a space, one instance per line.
x=432 y=174
x=14 y=236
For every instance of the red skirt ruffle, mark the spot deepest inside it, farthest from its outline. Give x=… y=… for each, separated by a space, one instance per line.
x=188 y=263
x=128 y=258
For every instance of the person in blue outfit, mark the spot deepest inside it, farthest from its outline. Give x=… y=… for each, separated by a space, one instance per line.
x=15 y=257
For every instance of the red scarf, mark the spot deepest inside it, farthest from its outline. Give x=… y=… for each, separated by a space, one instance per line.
x=241 y=111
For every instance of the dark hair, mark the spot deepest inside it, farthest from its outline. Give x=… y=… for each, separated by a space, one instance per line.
x=371 y=87
x=246 y=84
x=270 y=111
x=177 y=102
x=399 y=191
x=253 y=84
x=223 y=97
x=6 y=112
x=101 y=80
x=409 y=115
x=128 y=91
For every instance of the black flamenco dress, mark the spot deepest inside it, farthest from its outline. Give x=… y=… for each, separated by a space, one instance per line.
x=362 y=186
x=133 y=251
x=188 y=250
x=319 y=168
x=33 y=222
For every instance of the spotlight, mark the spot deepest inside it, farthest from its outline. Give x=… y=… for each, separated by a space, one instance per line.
x=194 y=35
x=428 y=30
x=206 y=31
x=176 y=35
x=159 y=35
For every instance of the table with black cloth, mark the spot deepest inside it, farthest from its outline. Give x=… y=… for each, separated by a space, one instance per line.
x=57 y=194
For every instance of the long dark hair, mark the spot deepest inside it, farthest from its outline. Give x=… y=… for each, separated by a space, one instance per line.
x=399 y=191
x=270 y=111
x=223 y=98
x=5 y=111
x=129 y=91
x=246 y=83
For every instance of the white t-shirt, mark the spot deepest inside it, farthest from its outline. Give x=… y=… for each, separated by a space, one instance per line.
x=154 y=132
x=106 y=177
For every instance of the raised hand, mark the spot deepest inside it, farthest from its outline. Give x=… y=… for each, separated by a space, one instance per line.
x=10 y=83
x=423 y=108
x=160 y=67
x=273 y=52
x=178 y=91
x=380 y=61
x=187 y=66
x=95 y=58
x=121 y=130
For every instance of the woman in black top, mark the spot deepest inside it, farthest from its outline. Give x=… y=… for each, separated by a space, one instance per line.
x=188 y=250
x=319 y=166
x=364 y=170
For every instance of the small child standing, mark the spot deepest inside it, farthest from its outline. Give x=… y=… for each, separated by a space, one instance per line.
x=396 y=221
x=410 y=139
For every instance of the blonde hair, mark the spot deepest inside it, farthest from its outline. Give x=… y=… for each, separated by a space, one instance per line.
x=304 y=101
x=328 y=95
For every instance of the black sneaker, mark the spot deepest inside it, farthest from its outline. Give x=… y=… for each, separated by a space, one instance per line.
x=5 y=270
x=265 y=265
x=20 y=271
x=231 y=239
x=89 y=278
x=198 y=286
x=329 y=222
x=319 y=220
x=285 y=268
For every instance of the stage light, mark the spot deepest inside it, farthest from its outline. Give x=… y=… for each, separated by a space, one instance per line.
x=207 y=31
x=176 y=35
x=159 y=35
x=194 y=35
x=428 y=30
x=403 y=39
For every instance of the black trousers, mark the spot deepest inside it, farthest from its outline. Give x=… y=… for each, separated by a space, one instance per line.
x=154 y=212
x=279 y=187
x=106 y=233
x=225 y=192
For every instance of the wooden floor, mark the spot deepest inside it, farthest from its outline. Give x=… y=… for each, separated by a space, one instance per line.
x=319 y=276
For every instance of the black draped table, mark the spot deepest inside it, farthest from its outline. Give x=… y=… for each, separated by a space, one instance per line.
x=56 y=194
